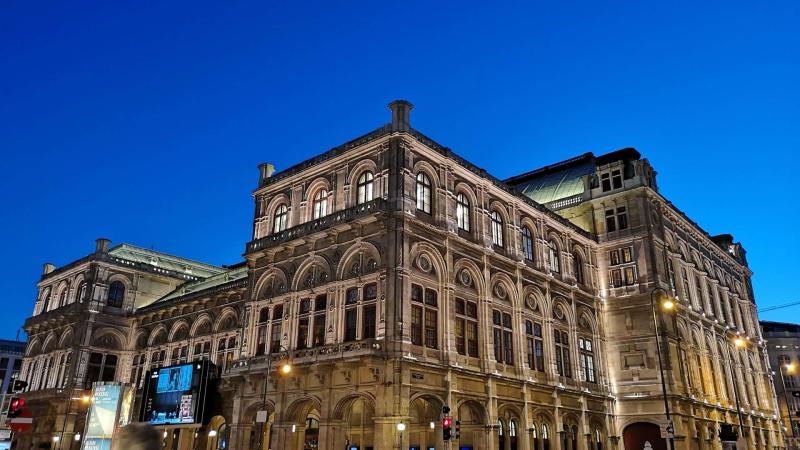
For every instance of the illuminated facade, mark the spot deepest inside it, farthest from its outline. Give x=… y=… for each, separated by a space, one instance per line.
x=396 y=278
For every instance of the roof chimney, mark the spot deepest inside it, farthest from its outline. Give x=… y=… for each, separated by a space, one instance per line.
x=265 y=172
x=48 y=268
x=101 y=245
x=401 y=112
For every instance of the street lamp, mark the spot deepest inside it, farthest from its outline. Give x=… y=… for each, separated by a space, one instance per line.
x=790 y=368
x=667 y=305
x=401 y=427
x=739 y=343
x=285 y=369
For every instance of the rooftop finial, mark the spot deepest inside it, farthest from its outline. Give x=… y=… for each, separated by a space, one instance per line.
x=401 y=112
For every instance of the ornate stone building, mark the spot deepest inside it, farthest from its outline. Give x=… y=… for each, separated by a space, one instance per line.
x=396 y=278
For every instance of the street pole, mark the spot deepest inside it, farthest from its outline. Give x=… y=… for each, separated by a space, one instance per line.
x=66 y=414
x=786 y=399
x=283 y=352
x=661 y=367
x=742 y=428
x=264 y=402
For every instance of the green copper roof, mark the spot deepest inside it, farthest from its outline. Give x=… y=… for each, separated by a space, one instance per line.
x=556 y=185
x=233 y=274
x=163 y=260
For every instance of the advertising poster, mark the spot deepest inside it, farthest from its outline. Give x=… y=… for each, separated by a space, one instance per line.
x=102 y=419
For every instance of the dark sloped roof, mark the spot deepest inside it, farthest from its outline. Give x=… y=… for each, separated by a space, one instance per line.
x=779 y=327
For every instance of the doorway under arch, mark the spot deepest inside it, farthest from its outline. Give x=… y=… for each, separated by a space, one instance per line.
x=643 y=435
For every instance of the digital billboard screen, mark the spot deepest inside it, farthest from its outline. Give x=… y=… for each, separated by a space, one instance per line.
x=175 y=395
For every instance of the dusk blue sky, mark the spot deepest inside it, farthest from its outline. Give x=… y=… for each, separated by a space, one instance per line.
x=144 y=122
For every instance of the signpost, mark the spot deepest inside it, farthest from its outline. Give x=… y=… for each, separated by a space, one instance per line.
x=21 y=423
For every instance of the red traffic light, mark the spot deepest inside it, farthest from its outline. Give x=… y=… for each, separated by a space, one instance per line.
x=15 y=407
x=447 y=422
x=17 y=403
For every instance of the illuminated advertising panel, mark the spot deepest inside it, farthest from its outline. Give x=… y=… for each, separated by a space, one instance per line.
x=104 y=415
x=175 y=395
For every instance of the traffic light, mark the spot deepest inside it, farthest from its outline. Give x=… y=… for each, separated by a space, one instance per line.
x=447 y=423
x=19 y=385
x=15 y=407
x=458 y=429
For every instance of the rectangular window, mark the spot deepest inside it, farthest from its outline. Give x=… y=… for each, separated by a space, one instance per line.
x=466 y=328
x=627 y=254
x=614 y=257
x=368 y=327
x=587 y=359
x=351 y=297
x=630 y=276
x=275 y=339
x=350 y=324
x=502 y=334
x=302 y=333
x=605 y=181
x=110 y=368
x=472 y=339
x=563 y=365
x=616 y=179
x=460 y=335
x=616 y=278
x=321 y=303
x=370 y=291
x=416 y=293
x=622 y=218
x=616 y=219
x=416 y=325
x=611 y=222
x=305 y=305
x=319 y=330
x=430 y=328
x=430 y=297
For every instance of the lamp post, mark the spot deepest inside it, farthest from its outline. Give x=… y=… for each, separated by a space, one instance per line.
x=667 y=305
x=790 y=367
x=285 y=369
x=401 y=427
x=739 y=343
x=215 y=434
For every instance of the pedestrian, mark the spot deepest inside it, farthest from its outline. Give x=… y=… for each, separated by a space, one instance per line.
x=137 y=436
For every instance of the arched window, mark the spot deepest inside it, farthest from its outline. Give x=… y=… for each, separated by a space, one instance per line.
x=552 y=260
x=321 y=203
x=527 y=243
x=534 y=436
x=462 y=212
x=366 y=183
x=578 y=262
x=423 y=193
x=62 y=298
x=116 y=294
x=280 y=219
x=501 y=434
x=545 y=437
x=497 y=229
x=46 y=301
x=81 y=292
x=512 y=428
